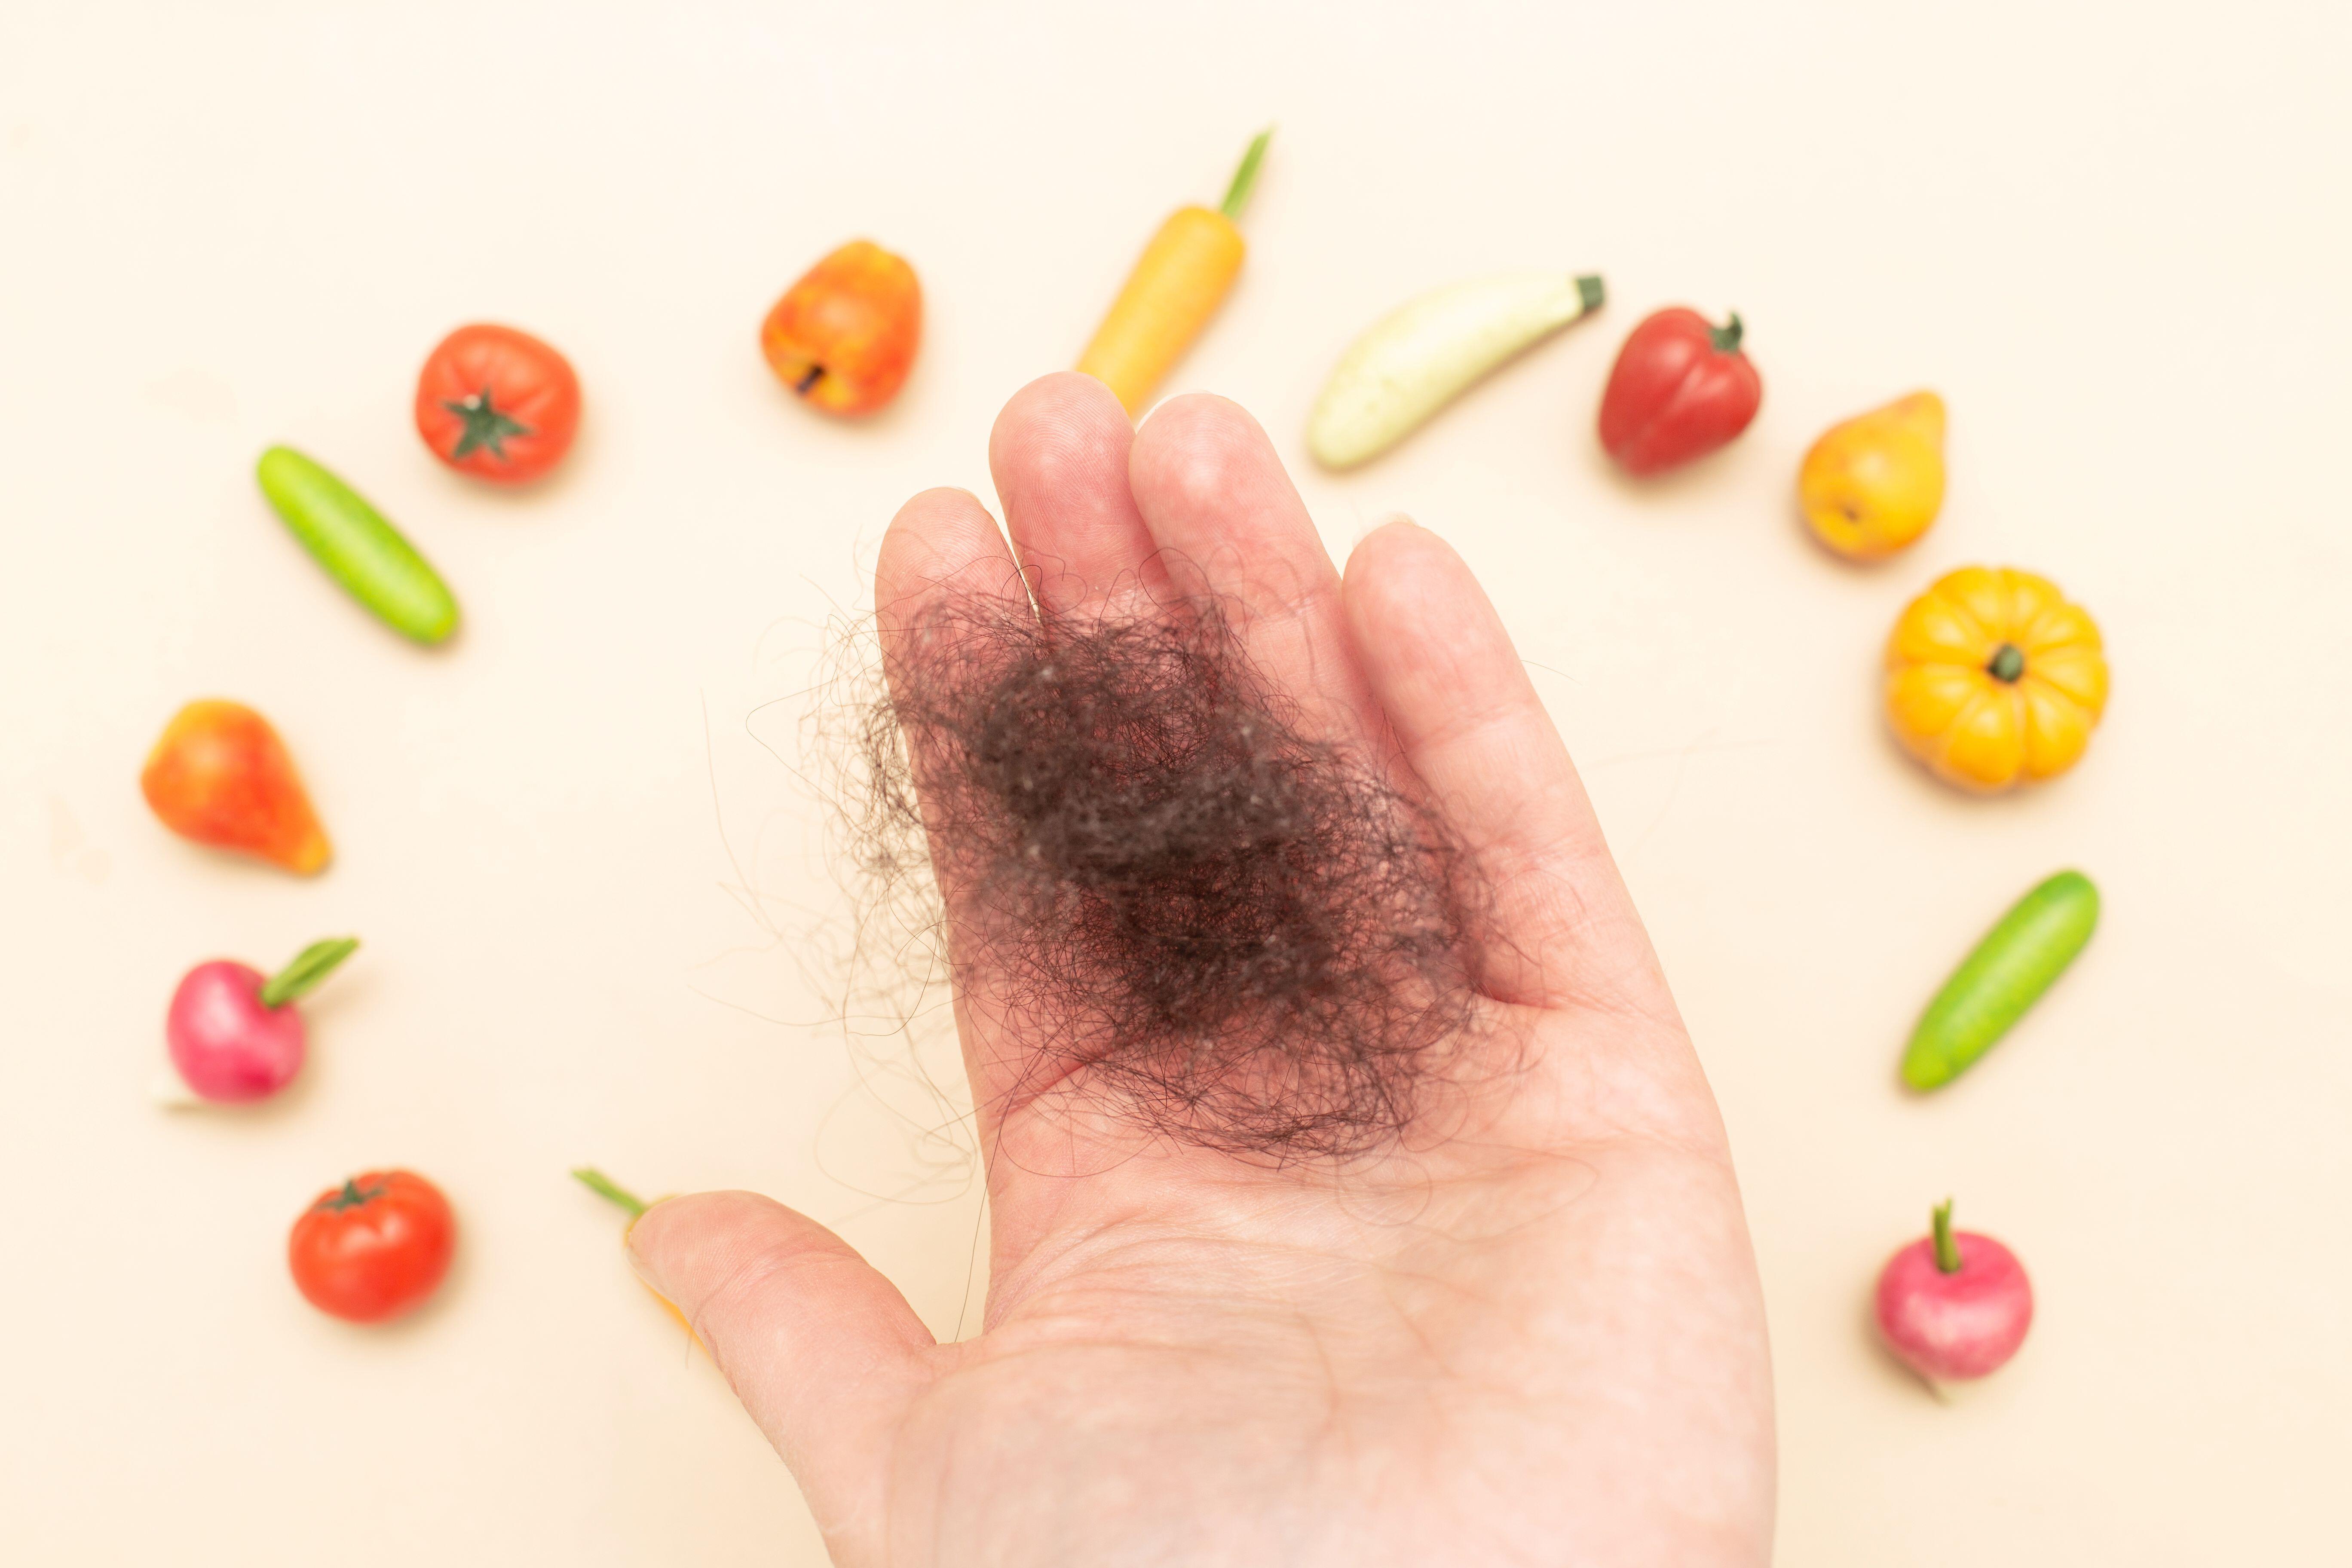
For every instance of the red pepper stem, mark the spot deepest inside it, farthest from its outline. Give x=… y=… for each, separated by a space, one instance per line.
x=1947 y=1250
x=306 y=968
x=1238 y=192
x=1726 y=337
x=604 y=1187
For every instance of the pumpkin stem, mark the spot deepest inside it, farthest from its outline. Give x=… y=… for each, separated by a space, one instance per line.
x=2007 y=662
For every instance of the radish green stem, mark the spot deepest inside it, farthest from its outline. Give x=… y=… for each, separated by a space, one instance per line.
x=310 y=967
x=604 y=1187
x=1947 y=1251
x=1246 y=176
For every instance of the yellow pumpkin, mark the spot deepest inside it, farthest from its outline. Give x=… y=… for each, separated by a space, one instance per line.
x=1994 y=679
x=1873 y=485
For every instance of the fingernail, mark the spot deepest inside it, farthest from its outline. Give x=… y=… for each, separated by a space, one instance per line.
x=637 y=1263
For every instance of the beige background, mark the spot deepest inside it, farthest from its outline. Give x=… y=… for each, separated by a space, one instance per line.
x=2113 y=235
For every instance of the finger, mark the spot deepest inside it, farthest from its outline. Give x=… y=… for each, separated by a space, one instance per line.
x=943 y=553
x=1059 y=458
x=941 y=546
x=1469 y=724
x=1216 y=499
x=823 y=1350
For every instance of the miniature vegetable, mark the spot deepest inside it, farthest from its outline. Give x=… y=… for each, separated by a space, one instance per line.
x=611 y=1191
x=1954 y=1305
x=844 y=337
x=1872 y=485
x=2000 y=978
x=1176 y=286
x=1681 y=388
x=357 y=546
x=235 y=1035
x=1993 y=678
x=373 y=1248
x=496 y=402
x=219 y=776
x=1422 y=355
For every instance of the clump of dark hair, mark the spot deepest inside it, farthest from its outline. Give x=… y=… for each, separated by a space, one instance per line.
x=1232 y=934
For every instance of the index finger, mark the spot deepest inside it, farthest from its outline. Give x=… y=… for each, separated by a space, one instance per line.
x=943 y=577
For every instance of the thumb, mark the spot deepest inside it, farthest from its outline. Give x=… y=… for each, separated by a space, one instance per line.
x=823 y=1350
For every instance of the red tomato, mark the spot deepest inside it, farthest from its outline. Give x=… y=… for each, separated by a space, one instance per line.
x=374 y=1247
x=1680 y=389
x=498 y=403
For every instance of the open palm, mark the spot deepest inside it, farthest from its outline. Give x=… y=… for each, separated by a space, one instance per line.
x=1534 y=1339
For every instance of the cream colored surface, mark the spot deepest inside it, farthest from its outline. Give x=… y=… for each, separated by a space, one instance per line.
x=2113 y=237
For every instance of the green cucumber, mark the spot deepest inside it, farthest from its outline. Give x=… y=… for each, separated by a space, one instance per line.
x=2007 y=973
x=358 y=547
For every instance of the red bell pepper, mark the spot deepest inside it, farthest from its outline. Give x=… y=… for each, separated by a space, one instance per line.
x=1680 y=389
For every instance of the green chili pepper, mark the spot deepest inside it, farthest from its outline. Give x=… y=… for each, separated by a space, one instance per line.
x=358 y=547
x=2006 y=974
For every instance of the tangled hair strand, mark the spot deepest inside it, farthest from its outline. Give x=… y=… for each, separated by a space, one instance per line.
x=1123 y=842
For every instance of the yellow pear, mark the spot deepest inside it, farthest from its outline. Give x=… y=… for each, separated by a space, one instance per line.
x=1873 y=484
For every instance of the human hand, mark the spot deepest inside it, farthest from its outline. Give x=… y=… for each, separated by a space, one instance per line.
x=1523 y=1326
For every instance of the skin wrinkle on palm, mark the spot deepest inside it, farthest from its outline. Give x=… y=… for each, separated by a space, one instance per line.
x=1525 y=1322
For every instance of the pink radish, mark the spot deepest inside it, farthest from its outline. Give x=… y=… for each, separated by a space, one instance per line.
x=1954 y=1305
x=234 y=1034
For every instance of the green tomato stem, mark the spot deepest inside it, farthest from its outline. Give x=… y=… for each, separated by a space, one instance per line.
x=2008 y=663
x=349 y=1196
x=604 y=1187
x=310 y=967
x=1726 y=337
x=486 y=425
x=1947 y=1250
x=1246 y=176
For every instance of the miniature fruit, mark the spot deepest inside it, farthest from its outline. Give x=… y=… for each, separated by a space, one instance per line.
x=1994 y=679
x=359 y=548
x=1681 y=388
x=373 y=1248
x=844 y=337
x=2003 y=975
x=1420 y=357
x=496 y=402
x=1872 y=485
x=220 y=776
x=236 y=1036
x=1954 y=1305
